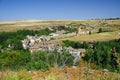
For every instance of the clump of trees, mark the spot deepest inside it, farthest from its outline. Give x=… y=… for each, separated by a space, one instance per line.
x=113 y=18
x=19 y=59
x=104 y=54
x=14 y=59
x=70 y=30
x=102 y=30
x=45 y=31
x=76 y=45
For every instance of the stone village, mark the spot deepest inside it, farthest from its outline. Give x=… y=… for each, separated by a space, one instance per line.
x=36 y=43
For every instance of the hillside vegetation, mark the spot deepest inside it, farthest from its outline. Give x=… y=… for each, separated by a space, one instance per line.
x=100 y=60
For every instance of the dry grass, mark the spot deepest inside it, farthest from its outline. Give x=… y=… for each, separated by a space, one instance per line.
x=96 y=37
x=93 y=37
x=38 y=24
x=67 y=73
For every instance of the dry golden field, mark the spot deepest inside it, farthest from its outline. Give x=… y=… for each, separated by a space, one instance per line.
x=39 y=24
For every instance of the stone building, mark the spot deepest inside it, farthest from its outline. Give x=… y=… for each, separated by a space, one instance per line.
x=81 y=32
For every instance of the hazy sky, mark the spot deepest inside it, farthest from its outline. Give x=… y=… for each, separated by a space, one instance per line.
x=58 y=9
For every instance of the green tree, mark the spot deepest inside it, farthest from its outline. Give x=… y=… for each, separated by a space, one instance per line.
x=100 y=30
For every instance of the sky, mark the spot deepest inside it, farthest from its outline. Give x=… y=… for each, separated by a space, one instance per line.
x=58 y=9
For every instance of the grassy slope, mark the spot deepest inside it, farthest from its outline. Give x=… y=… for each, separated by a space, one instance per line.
x=93 y=37
x=96 y=37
